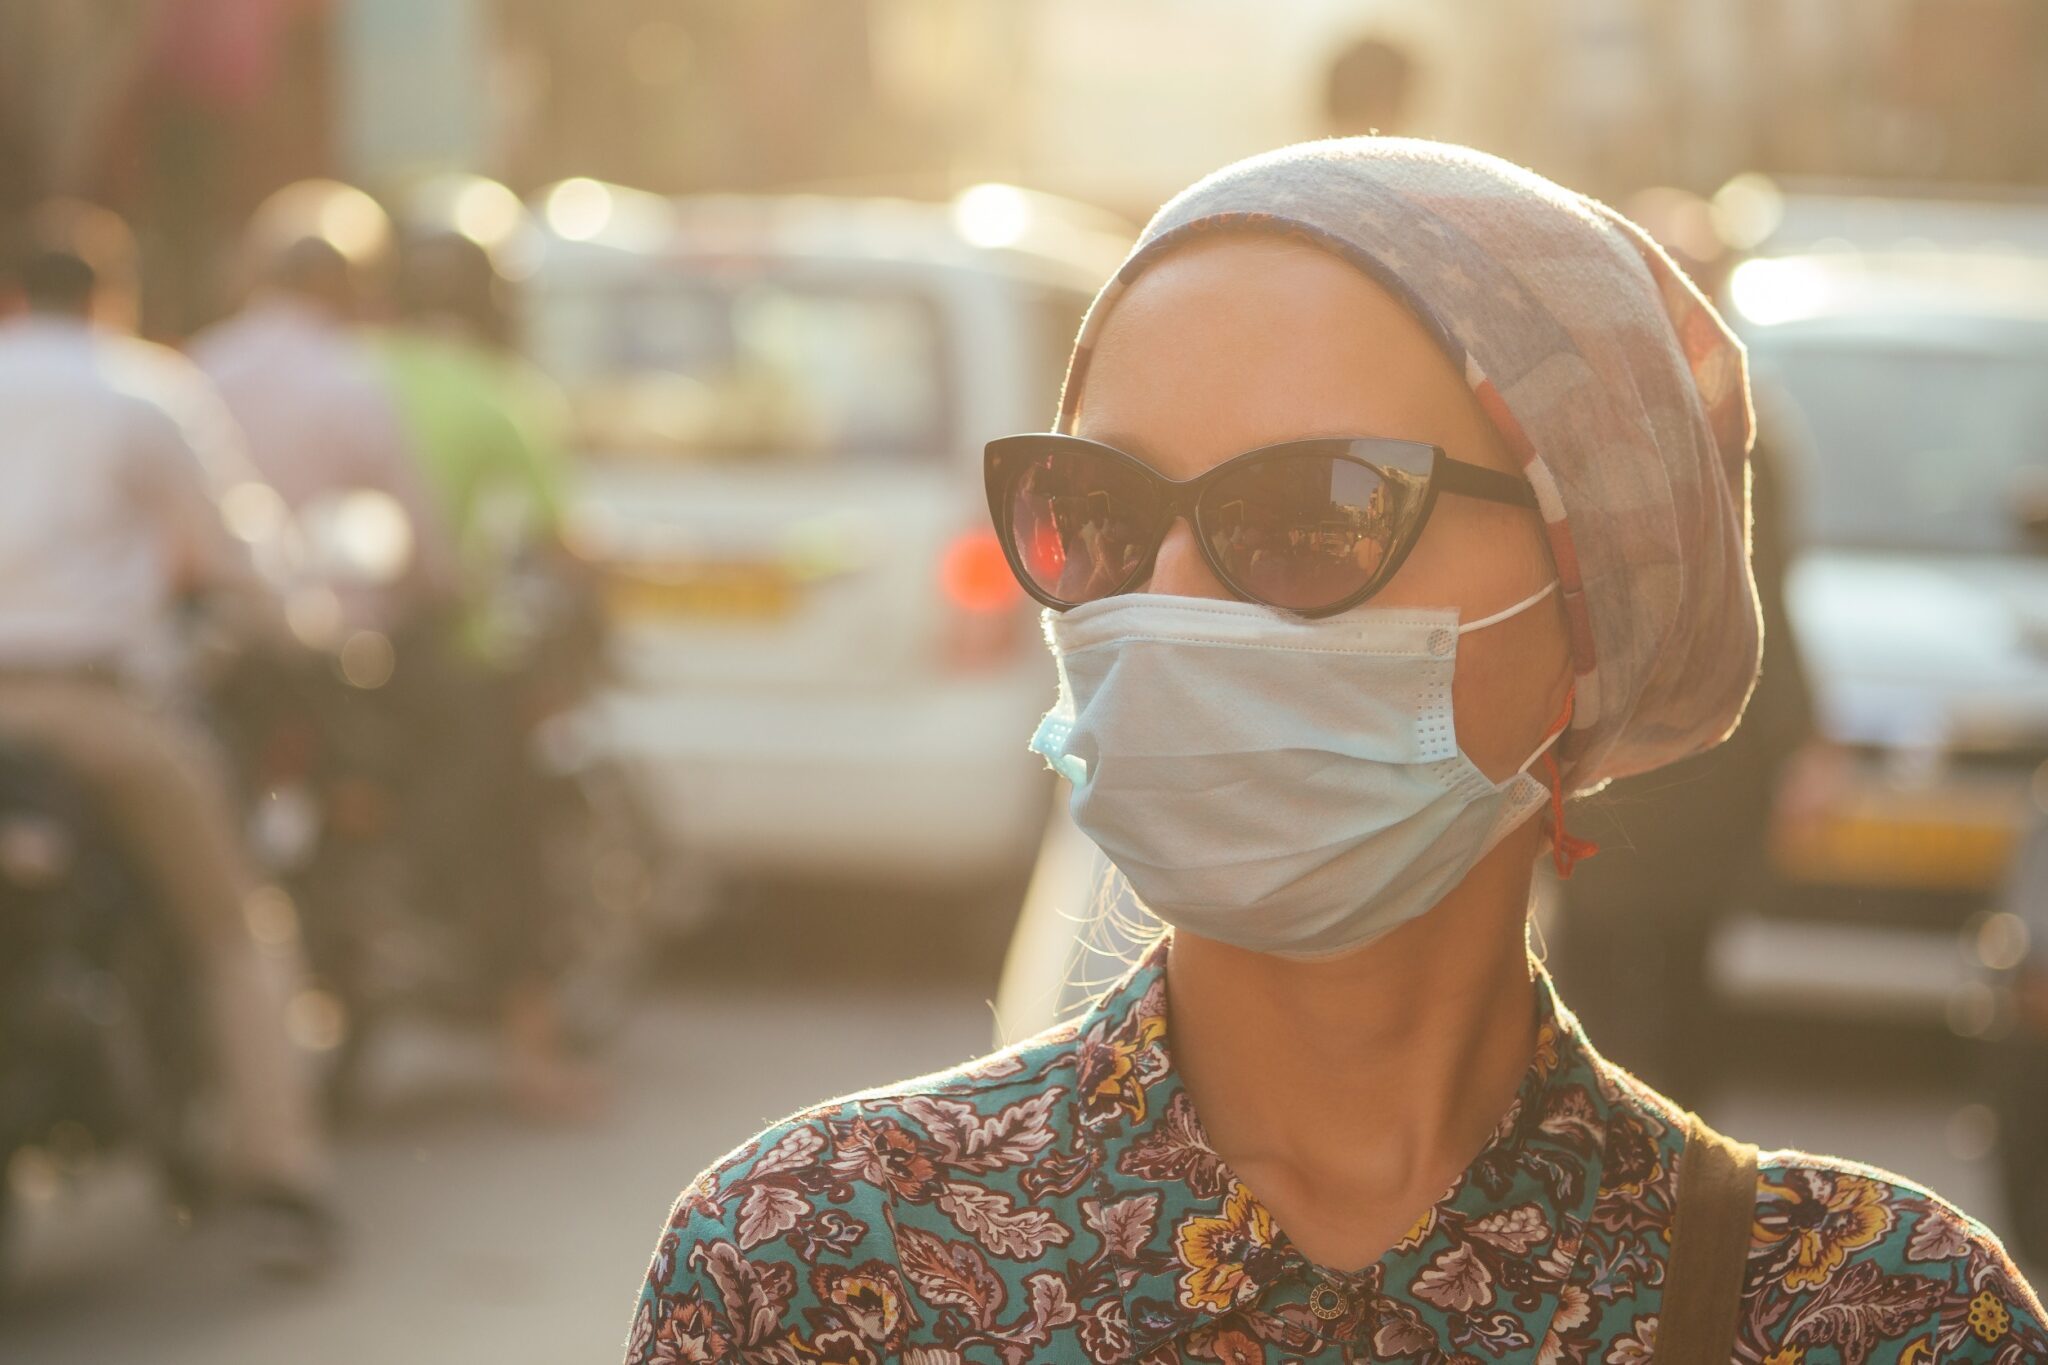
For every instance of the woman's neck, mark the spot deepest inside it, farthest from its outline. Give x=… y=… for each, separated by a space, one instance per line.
x=1350 y=1093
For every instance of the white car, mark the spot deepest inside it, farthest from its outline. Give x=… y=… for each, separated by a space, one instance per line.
x=824 y=669
x=1905 y=355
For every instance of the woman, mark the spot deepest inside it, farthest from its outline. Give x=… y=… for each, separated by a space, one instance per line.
x=1339 y=1113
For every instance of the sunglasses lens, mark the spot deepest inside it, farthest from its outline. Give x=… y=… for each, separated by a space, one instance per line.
x=1080 y=521
x=1300 y=531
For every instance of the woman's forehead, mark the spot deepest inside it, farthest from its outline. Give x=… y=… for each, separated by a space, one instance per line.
x=1251 y=276
x=1227 y=344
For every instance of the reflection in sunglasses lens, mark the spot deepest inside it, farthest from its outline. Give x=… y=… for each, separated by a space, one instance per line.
x=1299 y=531
x=1079 y=521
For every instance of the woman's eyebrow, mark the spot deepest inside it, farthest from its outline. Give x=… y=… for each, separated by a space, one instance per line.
x=1144 y=451
x=1129 y=445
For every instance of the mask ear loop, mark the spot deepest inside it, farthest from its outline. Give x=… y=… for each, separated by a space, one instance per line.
x=1566 y=848
x=1504 y=613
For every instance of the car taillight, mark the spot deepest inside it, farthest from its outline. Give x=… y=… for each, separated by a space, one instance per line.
x=975 y=575
x=986 y=625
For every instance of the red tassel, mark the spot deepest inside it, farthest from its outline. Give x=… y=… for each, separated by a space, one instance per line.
x=1566 y=848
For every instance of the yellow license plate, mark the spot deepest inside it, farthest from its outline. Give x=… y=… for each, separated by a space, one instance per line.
x=1853 y=849
x=730 y=594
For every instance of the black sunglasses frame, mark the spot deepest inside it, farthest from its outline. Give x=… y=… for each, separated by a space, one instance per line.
x=1415 y=470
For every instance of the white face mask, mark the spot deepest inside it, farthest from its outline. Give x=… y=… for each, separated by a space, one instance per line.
x=1290 y=786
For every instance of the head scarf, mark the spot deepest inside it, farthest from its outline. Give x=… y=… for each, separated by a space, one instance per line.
x=1609 y=377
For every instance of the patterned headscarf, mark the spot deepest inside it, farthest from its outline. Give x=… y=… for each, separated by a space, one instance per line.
x=1609 y=377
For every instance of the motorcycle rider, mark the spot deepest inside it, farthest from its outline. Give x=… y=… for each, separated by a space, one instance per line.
x=120 y=463
x=487 y=430
x=317 y=416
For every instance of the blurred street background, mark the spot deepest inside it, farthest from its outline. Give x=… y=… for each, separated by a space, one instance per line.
x=599 y=701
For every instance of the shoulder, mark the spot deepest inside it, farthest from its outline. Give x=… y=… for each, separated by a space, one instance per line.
x=171 y=394
x=1844 y=1247
x=221 y=345
x=804 y=1228
x=153 y=371
x=1841 y=1251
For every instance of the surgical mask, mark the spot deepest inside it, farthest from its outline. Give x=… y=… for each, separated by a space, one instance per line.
x=1290 y=786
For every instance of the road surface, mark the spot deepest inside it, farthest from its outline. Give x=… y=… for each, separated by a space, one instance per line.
x=478 y=1239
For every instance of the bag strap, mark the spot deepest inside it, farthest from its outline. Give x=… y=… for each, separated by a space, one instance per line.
x=1710 y=1232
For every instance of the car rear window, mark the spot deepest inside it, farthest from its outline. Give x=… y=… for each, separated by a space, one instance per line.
x=761 y=367
x=1893 y=445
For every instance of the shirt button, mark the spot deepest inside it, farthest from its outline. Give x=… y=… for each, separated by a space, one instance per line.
x=1328 y=1302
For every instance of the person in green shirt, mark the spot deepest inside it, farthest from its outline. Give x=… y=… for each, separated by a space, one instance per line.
x=487 y=430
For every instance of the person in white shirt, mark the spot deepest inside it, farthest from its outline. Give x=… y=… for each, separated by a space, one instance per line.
x=318 y=418
x=116 y=459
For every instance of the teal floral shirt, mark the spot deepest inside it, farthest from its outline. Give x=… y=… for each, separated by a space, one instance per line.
x=1058 y=1201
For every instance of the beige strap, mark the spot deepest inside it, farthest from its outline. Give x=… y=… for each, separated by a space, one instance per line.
x=1710 y=1231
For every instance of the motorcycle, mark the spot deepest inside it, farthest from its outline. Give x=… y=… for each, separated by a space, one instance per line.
x=355 y=760
x=101 y=1042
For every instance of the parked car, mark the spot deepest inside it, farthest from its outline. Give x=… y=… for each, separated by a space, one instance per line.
x=1904 y=382
x=2011 y=944
x=823 y=668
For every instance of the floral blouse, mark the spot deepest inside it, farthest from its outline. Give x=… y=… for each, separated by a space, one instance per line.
x=1058 y=1201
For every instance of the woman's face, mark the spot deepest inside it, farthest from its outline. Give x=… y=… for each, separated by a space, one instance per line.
x=1242 y=342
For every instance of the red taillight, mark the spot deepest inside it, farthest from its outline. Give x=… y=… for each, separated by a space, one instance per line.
x=975 y=575
x=986 y=628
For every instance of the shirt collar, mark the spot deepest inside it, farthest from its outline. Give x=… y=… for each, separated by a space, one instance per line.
x=1482 y=1266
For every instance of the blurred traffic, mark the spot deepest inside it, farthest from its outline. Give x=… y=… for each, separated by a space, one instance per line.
x=534 y=587
x=822 y=661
